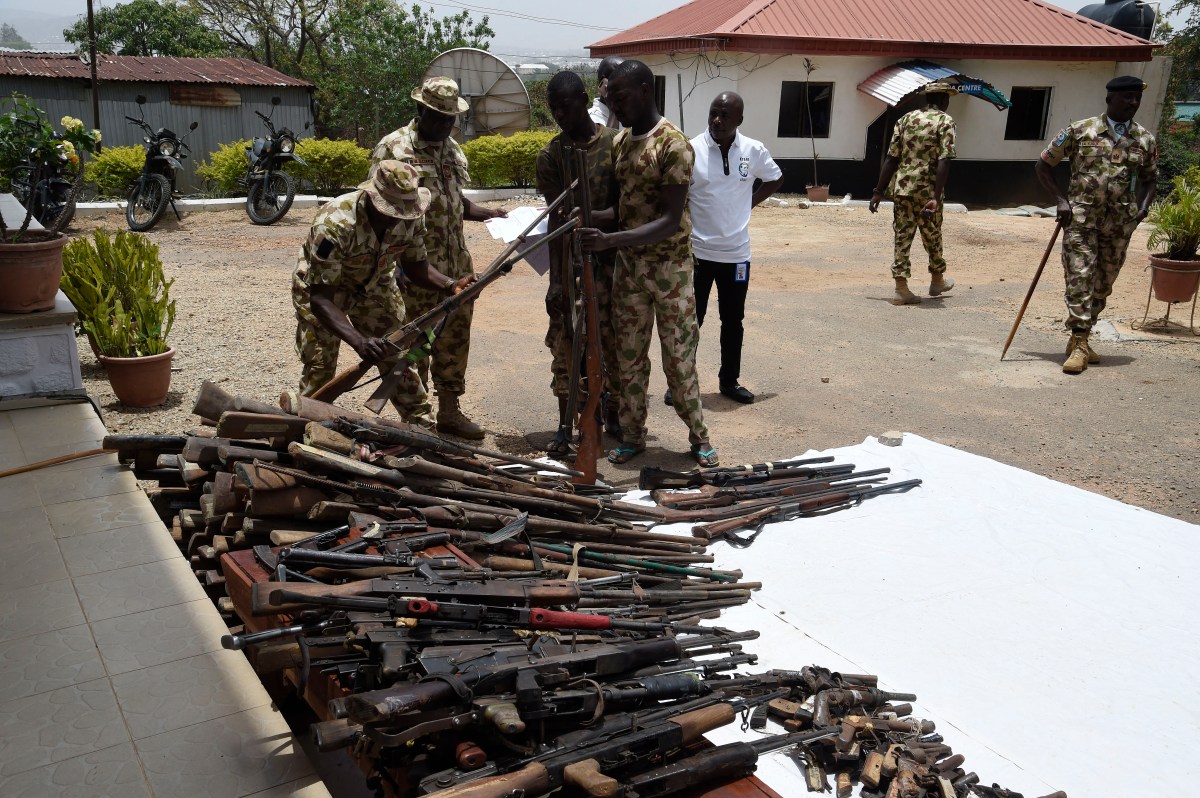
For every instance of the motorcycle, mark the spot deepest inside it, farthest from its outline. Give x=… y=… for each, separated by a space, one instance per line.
x=155 y=186
x=44 y=184
x=269 y=189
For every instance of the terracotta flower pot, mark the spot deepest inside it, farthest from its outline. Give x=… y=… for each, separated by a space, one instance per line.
x=818 y=193
x=29 y=273
x=140 y=381
x=1174 y=280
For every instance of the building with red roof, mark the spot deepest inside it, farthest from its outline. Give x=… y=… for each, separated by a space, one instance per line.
x=1027 y=68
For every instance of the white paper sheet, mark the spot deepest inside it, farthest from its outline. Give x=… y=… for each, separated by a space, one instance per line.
x=509 y=228
x=1048 y=631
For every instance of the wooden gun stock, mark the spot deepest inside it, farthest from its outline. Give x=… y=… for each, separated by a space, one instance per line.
x=589 y=417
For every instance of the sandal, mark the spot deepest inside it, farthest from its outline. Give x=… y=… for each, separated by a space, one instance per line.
x=623 y=454
x=705 y=455
x=559 y=445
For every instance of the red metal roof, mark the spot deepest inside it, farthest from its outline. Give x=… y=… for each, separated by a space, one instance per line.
x=1013 y=29
x=158 y=69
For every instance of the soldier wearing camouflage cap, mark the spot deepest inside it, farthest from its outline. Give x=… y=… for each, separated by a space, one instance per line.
x=344 y=285
x=426 y=145
x=1114 y=168
x=914 y=174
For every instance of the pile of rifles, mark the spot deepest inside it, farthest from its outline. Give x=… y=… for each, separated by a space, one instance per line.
x=475 y=624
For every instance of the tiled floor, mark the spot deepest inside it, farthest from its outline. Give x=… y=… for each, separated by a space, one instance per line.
x=113 y=681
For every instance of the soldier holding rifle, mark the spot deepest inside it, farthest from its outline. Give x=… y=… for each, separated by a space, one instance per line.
x=568 y=101
x=344 y=285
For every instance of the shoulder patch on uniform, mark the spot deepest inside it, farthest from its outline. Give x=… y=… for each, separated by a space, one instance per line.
x=1060 y=138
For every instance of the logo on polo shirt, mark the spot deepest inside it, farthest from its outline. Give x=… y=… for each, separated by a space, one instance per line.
x=744 y=168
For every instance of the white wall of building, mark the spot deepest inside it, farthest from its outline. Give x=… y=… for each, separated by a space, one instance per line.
x=1077 y=92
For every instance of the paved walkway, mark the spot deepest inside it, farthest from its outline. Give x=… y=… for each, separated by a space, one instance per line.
x=113 y=681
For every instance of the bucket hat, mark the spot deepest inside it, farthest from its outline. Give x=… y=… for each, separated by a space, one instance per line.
x=395 y=190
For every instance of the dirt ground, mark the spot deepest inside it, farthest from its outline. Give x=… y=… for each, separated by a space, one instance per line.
x=830 y=359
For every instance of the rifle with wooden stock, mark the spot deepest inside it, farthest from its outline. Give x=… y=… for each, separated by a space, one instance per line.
x=590 y=425
x=420 y=333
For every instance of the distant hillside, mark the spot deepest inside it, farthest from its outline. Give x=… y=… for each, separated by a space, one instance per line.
x=42 y=30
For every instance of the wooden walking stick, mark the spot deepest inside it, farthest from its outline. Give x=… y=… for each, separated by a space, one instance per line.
x=1029 y=294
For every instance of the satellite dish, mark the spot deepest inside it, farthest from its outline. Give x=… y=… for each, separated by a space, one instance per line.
x=498 y=99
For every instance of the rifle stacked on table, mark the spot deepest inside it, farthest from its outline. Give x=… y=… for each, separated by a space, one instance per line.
x=485 y=627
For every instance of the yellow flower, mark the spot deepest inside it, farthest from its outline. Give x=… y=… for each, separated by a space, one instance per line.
x=71 y=123
x=96 y=134
x=68 y=148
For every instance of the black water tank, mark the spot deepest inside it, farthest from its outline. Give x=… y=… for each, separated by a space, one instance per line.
x=1131 y=16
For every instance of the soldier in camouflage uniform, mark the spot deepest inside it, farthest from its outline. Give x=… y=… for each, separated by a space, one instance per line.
x=568 y=101
x=344 y=285
x=426 y=145
x=653 y=281
x=1114 y=166
x=916 y=169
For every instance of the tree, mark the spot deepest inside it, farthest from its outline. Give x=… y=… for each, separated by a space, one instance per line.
x=11 y=39
x=148 y=28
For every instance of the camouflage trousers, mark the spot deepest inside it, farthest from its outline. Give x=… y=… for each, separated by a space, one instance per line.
x=453 y=344
x=374 y=315
x=907 y=219
x=1092 y=257
x=643 y=294
x=559 y=333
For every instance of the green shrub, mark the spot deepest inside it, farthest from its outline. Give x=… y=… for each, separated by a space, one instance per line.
x=505 y=160
x=115 y=169
x=333 y=164
x=224 y=171
x=119 y=289
x=1178 y=152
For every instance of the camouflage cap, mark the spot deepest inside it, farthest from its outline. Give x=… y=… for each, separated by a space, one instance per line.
x=440 y=94
x=941 y=87
x=395 y=190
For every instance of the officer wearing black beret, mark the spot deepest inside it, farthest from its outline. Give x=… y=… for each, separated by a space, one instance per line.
x=1114 y=166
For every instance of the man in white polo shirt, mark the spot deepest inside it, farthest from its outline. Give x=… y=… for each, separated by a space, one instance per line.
x=733 y=173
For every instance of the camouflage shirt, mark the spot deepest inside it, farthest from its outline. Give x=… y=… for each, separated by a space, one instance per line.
x=443 y=168
x=552 y=169
x=343 y=251
x=921 y=138
x=644 y=164
x=1104 y=172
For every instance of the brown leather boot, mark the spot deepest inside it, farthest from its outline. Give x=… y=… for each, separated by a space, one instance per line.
x=940 y=284
x=452 y=421
x=903 y=295
x=1093 y=355
x=1077 y=354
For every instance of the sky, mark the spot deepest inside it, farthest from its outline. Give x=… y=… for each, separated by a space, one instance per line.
x=548 y=27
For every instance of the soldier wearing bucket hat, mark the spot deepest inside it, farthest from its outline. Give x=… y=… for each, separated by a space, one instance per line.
x=426 y=145
x=344 y=285
x=1114 y=169
x=914 y=174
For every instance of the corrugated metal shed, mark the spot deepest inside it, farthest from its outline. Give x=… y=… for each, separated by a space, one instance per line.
x=158 y=69
x=1014 y=29
x=892 y=84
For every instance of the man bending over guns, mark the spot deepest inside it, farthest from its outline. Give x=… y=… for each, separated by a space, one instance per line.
x=344 y=285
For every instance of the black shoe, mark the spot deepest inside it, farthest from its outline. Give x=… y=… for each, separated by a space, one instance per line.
x=668 y=399
x=737 y=393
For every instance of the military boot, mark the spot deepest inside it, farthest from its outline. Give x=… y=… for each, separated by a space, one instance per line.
x=1093 y=355
x=452 y=421
x=903 y=295
x=1077 y=354
x=940 y=284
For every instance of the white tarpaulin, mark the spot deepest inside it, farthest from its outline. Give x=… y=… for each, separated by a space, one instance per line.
x=1048 y=631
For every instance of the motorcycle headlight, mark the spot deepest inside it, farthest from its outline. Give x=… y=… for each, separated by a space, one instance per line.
x=286 y=144
x=167 y=147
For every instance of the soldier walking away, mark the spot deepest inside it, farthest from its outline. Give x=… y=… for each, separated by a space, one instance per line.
x=425 y=144
x=344 y=285
x=914 y=174
x=568 y=101
x=601 y=112
x=1114 y=166
x=733 y=173
x=653 y=281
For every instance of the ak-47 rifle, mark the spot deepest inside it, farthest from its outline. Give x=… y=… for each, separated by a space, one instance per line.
x=415 y=339
x=589 y=416
x=652 y=478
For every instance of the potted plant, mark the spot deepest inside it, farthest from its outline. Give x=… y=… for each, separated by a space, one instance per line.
x=816 y=192
x=43 y=169
x=1175 y=272
x=123 y=299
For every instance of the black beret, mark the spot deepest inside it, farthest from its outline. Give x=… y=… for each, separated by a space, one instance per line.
x=1126 y=83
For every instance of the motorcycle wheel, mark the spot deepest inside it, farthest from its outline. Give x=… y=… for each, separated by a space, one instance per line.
x=50 y=214
x=266 y=204
x=147 y=202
